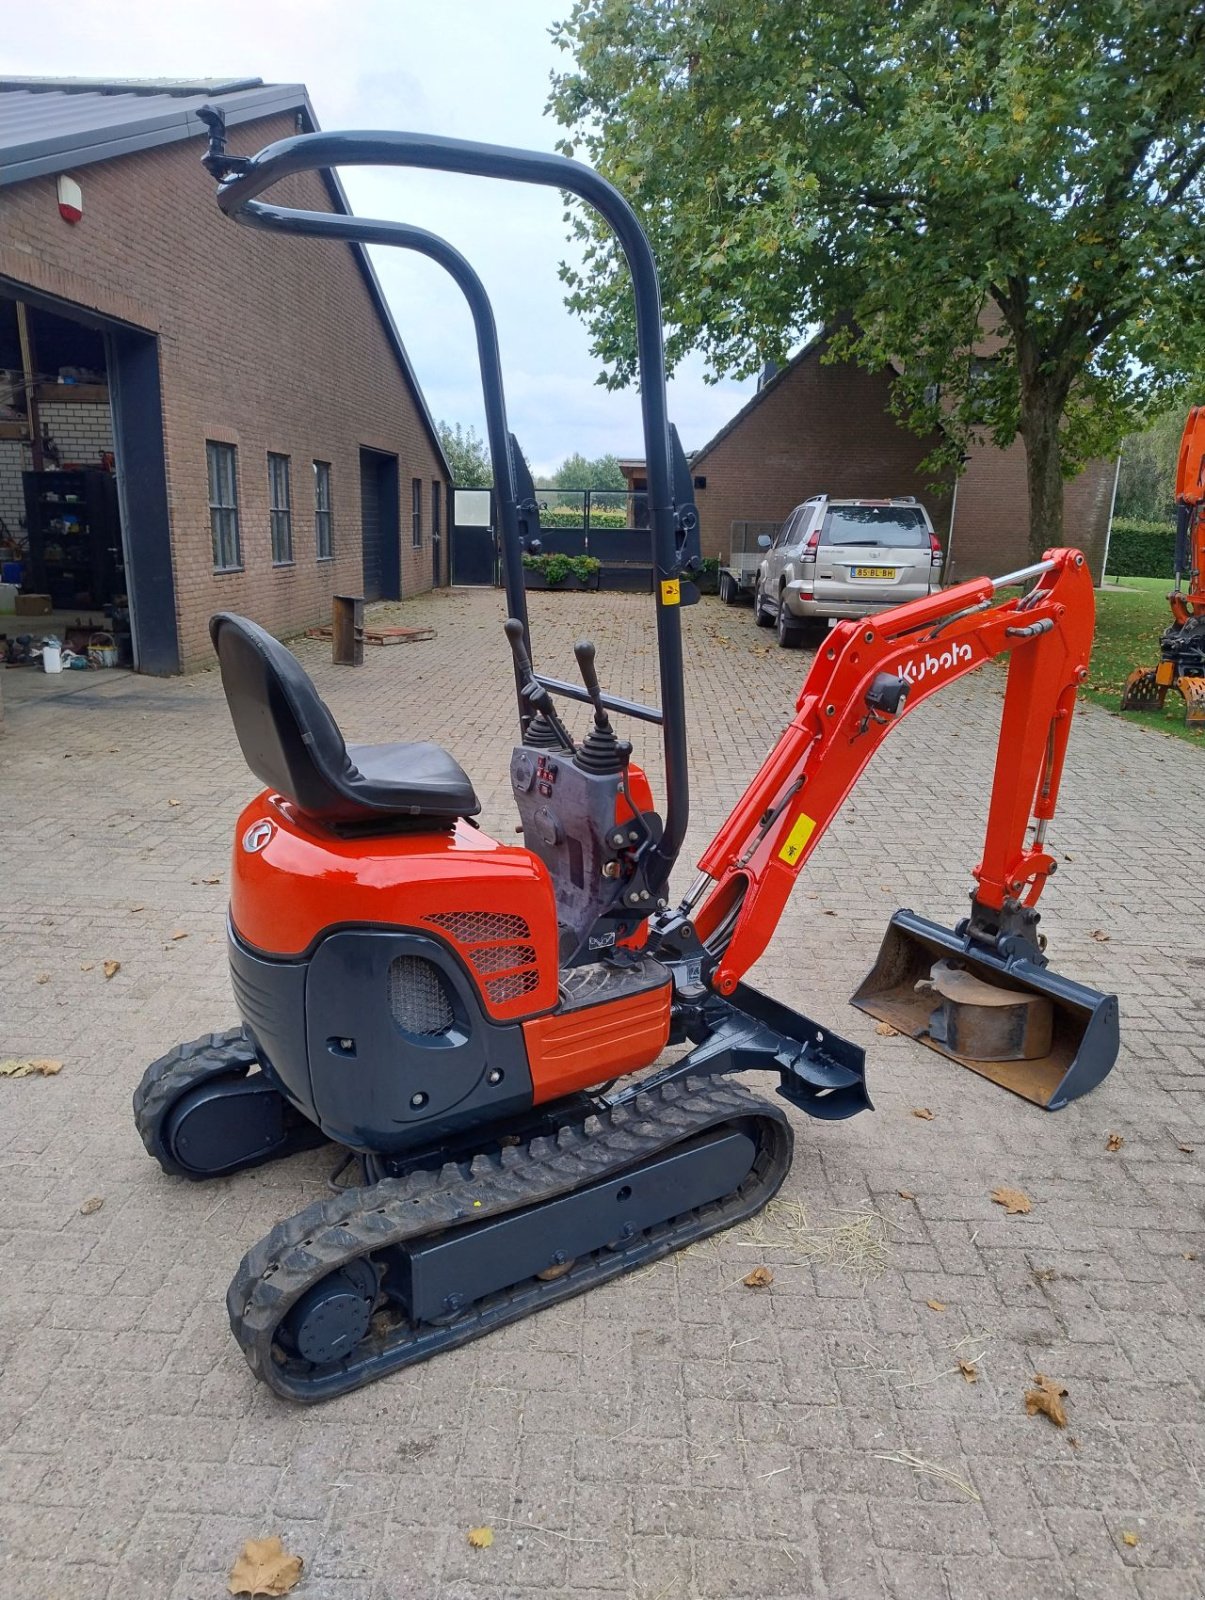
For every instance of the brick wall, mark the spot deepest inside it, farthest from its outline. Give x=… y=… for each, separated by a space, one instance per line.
x=991 y=518
x=267 y=343
x=819 y=429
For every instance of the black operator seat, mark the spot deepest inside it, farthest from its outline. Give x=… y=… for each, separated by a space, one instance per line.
x=293 y=745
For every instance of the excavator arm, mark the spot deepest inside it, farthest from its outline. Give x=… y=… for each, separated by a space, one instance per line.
x=864 y=680
x=1190 y=527
x=979 y=993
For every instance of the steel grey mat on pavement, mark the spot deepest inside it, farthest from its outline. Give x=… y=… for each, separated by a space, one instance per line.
x=673 y=1434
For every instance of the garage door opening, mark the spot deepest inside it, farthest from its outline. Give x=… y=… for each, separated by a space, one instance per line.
x=379 y=525
x=85 y=556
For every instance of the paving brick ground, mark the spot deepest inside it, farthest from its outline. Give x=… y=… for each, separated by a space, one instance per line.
x=674 y=1434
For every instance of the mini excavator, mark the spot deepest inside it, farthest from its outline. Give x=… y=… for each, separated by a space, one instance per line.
x=1182 y=647
x=479 y=1024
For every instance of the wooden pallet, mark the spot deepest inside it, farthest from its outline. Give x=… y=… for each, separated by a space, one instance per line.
x=378 y=635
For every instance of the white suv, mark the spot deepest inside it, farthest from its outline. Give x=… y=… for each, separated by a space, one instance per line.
x=844 y=558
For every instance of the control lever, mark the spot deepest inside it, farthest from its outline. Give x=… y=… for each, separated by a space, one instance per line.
x=533 y=691
x=601 y=752
x=583 y=651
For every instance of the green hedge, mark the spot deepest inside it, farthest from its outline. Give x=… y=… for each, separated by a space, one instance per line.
x=572 y=517
x=1140 y=549
x=556 y=568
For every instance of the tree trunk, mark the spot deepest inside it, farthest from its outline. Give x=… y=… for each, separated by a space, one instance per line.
x=1041 y=408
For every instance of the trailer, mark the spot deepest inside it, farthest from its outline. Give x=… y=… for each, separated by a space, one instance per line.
x=738 y=575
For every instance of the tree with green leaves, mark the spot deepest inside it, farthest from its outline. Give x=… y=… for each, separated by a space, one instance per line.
x=1002 y=199
x=1147 y=480
x=577 y=472
x=468 y=456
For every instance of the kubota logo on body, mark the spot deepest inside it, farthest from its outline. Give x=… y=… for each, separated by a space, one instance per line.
x=257 y=836
x=933 y=664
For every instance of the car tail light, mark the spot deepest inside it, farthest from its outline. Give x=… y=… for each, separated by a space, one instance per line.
x=809 y=549
x=935 y=547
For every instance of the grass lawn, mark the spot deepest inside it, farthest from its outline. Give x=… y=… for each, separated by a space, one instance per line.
x=1131 y=613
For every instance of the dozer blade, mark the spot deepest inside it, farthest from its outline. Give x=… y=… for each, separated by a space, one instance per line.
x=1142 y=691
x=1193 y=690
x=1046 y=1038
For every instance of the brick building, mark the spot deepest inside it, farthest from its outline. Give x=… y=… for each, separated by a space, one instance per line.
x=249 y=392
x=827 y=429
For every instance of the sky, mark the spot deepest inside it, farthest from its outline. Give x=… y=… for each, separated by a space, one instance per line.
x=472 y=69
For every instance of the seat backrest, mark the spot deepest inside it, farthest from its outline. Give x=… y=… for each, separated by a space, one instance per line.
x=288 y=737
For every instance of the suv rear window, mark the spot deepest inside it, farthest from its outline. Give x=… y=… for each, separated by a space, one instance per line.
x=901 y=526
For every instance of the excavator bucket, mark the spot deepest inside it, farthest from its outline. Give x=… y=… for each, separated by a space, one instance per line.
x=1007 y=1018
x=1193 y=690
x=1143 y=691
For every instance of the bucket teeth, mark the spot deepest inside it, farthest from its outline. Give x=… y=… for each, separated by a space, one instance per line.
x=1142 y=692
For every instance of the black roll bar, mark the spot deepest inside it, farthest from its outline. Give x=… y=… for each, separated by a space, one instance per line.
x=325 y=224
x=242 y=178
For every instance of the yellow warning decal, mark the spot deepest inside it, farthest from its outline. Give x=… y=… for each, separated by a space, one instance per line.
x=671 y=592
x=797 y=839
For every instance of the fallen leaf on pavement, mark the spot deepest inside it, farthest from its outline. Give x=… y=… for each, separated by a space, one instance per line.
x=265 y=1567
x=136 y=908
x=42 y=977
x=481 y=1538
x=1100 y=936
x=180 y=933
x=905 y=1194
x=86 y=966
x=759 y=1278
x=211 y=880
x=173 y=802
x=1189 y=1255
x=91 y=1205
x=1047 y=1398
x=37 y=1066
x=936 y=1305
x=1186 y=1149
x=112 y=968
x=886 y=1030
x=1114 y=1142
x=1014 y=1201
x=923 y=1113
x=828 y=913
x=1129 y=1538
x=968 y=1369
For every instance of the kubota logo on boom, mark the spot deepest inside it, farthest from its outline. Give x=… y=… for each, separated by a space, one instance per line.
x=932 y=664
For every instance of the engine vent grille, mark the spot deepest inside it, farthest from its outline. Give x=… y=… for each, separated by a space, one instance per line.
x=476 y=927
x=511 y=986
x=418 y=996
x=501 y=957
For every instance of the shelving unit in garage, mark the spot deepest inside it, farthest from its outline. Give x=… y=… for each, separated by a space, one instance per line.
x=74 y=537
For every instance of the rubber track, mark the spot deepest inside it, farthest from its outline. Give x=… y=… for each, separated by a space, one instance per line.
x=301 y=1251
x=214 y=1055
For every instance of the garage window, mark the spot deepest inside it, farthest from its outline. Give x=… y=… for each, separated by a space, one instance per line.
x=222 y=460
x=416 y=512
x=324 y=531
x=281 y=510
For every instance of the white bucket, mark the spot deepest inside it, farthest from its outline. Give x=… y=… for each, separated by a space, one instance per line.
x=52 y=657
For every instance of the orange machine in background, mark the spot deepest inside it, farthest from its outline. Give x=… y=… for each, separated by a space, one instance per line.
x=1182 y=647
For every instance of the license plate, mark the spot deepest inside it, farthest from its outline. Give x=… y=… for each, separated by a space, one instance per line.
x=874 y=572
